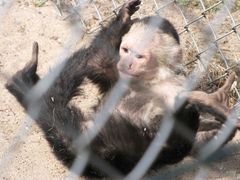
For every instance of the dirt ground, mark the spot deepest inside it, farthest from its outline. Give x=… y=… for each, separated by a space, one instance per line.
x=33 y=159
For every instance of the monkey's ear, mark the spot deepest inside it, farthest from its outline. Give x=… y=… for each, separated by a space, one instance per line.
x=176 y=56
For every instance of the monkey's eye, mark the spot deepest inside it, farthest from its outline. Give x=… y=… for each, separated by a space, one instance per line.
x=139 y=56
x=125 y=49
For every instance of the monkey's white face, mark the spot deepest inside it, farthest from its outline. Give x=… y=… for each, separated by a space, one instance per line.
x=136 y=62
x=145 y=51
x=136 y=57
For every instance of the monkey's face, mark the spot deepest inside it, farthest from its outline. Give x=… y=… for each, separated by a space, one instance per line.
x=136 y=57
x=136 y=62
x=145 y=50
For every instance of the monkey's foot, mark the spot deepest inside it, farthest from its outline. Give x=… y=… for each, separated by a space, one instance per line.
x=24 y=79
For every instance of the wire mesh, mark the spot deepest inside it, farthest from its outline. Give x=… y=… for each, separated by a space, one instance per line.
x=207 y=46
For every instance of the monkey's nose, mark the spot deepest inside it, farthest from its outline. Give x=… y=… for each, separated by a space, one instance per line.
x=130 y=66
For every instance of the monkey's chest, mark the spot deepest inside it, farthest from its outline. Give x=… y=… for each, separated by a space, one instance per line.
x=140 y=109
x=149 y=107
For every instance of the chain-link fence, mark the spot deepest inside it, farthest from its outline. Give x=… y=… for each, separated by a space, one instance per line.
x=190 y=26
x=210 y=37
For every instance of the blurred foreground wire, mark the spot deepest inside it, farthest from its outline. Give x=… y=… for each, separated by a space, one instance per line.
x=213 y=14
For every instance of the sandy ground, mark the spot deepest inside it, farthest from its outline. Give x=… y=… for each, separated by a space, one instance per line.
x=33 y=159
x=23 y=24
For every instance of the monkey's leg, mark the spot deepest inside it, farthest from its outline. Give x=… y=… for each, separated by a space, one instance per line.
x=66 y=84
x=105 y=47
x=60 y=122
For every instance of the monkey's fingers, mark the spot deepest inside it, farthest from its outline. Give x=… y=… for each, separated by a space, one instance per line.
x=133 y=6
x=128 y=10
x=225 y=89
x=220 y=97
x=228 y=83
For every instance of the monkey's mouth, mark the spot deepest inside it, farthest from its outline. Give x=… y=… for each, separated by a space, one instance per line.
x=127 y=74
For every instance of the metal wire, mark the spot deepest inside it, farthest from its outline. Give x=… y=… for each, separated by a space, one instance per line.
x=202 y=57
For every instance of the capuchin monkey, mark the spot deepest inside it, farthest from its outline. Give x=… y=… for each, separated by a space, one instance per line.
x=146 y=51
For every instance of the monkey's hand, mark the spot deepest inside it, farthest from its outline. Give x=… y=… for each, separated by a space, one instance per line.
x=128 y=10
x=216 y=103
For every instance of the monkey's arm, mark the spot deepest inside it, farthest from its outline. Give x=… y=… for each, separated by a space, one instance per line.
x=216 y=104
x=105 y=47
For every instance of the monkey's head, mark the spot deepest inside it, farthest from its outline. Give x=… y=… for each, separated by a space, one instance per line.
x=151 y=47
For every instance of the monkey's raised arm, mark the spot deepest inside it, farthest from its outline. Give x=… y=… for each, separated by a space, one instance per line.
x=105 y=47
